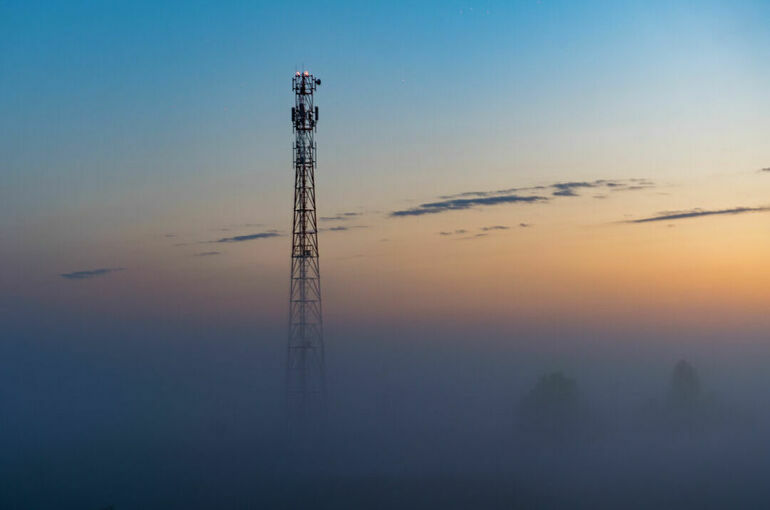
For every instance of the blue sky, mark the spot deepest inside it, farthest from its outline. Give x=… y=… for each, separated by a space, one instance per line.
x=124 y=123
x=109 y=97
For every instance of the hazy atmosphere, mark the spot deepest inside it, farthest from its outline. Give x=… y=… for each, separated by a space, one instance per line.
x=543 y=233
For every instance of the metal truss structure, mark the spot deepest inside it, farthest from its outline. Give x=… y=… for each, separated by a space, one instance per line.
x=305 y=378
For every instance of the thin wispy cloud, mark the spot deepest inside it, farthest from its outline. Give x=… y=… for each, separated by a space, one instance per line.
x=341 y=216
x=472 y=237
x=764 y=170
x=482 y=231
x=207 y=253
x=341 y=228
x=532 y=194
x=248 y=237
x=636 y=187
x=698 y=213
x=493 y=193
x=246 y=225
x=91 y=273
x=569 y=189
x=450 y=233
x=458 y=204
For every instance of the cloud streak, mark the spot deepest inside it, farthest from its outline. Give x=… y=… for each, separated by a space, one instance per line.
x=458 y=204
x=482 y=231
x=569 y=189
x=697 y=213
x=248 y=237
x=341 y=228
x=340 y=217
x=532 y=194
x=91 y=273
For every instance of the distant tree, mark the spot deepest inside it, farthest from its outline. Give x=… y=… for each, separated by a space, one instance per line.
x=552 y=411
x=685 y=390
x=688 y=409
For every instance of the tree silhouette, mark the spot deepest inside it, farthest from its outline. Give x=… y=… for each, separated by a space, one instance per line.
x=685 y=389
x=686 y=404
x=552 y=411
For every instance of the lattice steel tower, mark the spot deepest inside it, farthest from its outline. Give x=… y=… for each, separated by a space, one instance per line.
x=305 y=385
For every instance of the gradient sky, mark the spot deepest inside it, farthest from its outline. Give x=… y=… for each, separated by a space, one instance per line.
x=134 y=137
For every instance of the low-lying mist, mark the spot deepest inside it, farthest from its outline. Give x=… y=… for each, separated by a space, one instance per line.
x=159 y=415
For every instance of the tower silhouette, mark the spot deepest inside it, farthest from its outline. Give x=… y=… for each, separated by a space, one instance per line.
x=305 y=384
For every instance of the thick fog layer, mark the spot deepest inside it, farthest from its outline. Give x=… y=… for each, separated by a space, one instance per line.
x=162 y=415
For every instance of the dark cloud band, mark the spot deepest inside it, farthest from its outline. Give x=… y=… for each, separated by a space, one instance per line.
x=340 y=217
x=248 y=237
x=472 y=199
x=459 y=204
x=91 y=273
x=696 y=213
x=343 y=228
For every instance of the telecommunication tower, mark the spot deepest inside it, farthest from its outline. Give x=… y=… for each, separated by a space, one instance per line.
x=305 y=384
